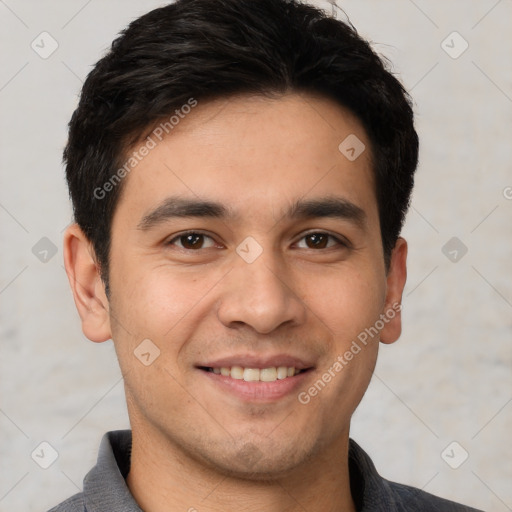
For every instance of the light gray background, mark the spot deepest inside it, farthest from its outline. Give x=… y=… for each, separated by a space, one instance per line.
x=447 y=379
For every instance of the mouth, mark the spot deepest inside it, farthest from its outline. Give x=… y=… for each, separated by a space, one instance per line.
x=270 y=374
x=257 y=379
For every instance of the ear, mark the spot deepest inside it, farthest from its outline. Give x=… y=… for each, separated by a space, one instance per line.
x=397 y=275
x=86 y=284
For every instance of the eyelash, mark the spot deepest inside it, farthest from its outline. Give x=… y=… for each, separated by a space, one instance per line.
x=186 y=233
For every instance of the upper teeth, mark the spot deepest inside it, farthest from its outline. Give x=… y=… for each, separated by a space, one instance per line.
x=256 y=374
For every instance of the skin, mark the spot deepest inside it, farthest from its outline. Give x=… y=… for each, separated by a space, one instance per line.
x=194 y=444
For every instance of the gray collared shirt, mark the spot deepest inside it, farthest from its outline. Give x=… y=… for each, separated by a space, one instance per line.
x=105 y=488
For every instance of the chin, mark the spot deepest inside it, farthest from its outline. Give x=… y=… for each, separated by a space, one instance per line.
x=257 y=463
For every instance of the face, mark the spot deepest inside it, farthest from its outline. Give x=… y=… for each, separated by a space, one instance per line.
x=246 y=252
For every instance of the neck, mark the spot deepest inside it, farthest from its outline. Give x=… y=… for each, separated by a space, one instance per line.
x=164 y=478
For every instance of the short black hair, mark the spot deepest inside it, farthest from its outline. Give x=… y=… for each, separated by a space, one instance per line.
x=210 y=49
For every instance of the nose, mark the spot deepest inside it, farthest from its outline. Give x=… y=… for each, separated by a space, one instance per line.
x=261 y=295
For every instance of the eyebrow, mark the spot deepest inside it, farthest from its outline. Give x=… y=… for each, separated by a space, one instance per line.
x=326 y=207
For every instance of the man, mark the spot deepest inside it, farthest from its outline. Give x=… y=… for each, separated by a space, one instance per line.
x=240 y=171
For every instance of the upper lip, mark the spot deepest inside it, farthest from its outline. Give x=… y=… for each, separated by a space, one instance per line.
x=258 y=361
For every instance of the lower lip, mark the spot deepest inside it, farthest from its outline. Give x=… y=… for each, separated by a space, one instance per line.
x=257 y=391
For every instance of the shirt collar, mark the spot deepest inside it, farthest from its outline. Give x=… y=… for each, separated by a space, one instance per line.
x=105 y=487
x=369 y=490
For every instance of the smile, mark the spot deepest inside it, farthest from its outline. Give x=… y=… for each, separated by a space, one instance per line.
x=270 y=374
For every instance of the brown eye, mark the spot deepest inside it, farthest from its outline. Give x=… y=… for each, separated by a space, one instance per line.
x=191 y=241
x=321 y=241
x=316 y=241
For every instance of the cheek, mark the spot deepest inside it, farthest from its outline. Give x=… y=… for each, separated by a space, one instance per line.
x=346 y=299
x=159 y=304
x=153 y=314
x=349 y=303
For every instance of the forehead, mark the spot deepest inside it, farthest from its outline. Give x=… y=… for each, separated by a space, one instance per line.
x=256 y=155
